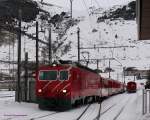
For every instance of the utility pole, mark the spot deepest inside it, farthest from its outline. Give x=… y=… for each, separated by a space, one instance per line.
x=26 y=76
x=71 y=8
x=37 y=45
x=97 y=64
x=109 y=68
x=124 y=75
x=78 y=34
x=50 y=46
x=19 y=58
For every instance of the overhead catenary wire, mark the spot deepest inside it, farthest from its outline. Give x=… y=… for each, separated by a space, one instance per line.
x=112 y=51
x=115 y=38
x=97 y=3
x=108 y=2
x=84 y=3
x=86 y=8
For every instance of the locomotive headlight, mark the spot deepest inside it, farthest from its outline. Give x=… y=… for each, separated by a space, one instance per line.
x=54 y=65
x=64 y=91
x=39 y=90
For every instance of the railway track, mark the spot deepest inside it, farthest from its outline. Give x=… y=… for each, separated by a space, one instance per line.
x=51 y=114
x=120 y=111
x=100 y=114
x=83 y=114
x=110 y=108
x=32 y=118
x=86 y=112
x=42 y=116
x=80 y=116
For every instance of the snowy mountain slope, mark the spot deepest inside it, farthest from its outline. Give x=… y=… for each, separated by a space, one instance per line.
x=79 y=4
x=105 y=35
x=108 y=33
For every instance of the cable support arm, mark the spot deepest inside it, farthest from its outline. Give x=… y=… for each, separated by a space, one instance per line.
x=106 y=47
x=94 y=61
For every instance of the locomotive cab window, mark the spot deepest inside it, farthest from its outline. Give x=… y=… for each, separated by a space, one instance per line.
x=48 y=75
x=64 y=75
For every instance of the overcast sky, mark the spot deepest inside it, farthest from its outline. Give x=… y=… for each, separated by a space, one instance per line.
x=82 y=4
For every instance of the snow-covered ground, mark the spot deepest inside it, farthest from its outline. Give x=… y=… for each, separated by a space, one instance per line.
x=126 y=106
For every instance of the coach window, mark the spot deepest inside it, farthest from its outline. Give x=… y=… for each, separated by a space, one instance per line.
x=48 y=75
x=64 y=75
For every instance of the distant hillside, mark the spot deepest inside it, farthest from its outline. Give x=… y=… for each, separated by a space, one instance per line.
x=127 y=12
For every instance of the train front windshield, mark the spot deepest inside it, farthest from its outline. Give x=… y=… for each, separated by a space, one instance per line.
x=63 y=75
x=48 y=75
x=52 y=75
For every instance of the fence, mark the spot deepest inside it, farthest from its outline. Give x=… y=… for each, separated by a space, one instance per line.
x=9 y=85
x=28 y=94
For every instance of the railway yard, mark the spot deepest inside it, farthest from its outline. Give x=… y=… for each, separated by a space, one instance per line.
x=126 y=106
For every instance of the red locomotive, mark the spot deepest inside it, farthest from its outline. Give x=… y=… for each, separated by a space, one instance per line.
x=64 y=85
x=131 y=86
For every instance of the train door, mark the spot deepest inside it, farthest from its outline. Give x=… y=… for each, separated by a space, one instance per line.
x=100 y=87
x=83 y=82
x=110 y=87
x=105 y=88
x=76 y=84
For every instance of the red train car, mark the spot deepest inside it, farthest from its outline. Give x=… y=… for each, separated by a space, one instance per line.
x=131 y=86
x=61 y=86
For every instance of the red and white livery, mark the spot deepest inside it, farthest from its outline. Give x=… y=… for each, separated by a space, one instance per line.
x=62 y=86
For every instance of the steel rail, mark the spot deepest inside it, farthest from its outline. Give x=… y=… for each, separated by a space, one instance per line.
x=83 y=112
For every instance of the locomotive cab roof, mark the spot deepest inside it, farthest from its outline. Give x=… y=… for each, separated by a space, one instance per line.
x=77 y=65
x=70 y=63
